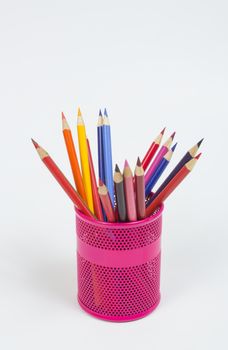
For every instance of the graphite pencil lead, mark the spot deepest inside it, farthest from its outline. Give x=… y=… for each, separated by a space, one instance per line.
x=100 y=114
x=138 y=162
x=117 y=169
x=199 y=143
x=173 y=148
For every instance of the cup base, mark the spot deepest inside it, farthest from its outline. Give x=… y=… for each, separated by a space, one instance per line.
x=120 y=318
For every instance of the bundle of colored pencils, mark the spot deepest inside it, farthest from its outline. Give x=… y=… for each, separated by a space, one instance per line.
x=122 y=197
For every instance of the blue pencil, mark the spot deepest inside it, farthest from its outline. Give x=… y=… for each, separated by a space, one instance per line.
x=100 y=147
x=160 y=169
x=107 y=154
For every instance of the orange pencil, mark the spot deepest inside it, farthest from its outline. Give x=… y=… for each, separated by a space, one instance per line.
x=96 y=198
x=73 y=158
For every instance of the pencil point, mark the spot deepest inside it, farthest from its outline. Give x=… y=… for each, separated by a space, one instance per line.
x=173 y=134
x=105 y=113
x=126 y=165
x=162 y=132
x=101 y=183
x=199 y=143
x=100 y=114
x=79 y=112
x=117 y=169
x=173 y=148
x=35 y=143
x=138 y=162
x=63 y=116
x=198 y=156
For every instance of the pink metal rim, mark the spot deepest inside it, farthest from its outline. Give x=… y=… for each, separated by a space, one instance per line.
x=119 y=318
x=119 y=225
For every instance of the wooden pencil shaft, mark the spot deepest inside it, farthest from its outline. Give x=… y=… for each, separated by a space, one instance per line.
x=96 y=198
x=106 y=203
x=74 y=163
x=140 y=196
x=85 y=163
x=120 y=199
x=130 y=197
x=67 y=187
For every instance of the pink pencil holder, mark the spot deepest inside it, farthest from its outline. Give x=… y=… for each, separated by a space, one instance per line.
x=119 y=267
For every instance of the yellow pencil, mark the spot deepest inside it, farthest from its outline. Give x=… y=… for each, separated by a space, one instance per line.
x=84 y=160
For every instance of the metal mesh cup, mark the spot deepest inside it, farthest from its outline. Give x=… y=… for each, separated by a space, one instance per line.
x=119 y=267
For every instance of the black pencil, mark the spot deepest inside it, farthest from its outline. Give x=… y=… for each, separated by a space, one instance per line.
x=120 y=196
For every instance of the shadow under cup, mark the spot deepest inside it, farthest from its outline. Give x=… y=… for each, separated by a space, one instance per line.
x=118 y=266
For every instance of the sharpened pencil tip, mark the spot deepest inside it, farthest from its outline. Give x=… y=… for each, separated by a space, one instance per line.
x=173 y=148
x=101 y=183
x=79 y=112
x=162 y=132
x=198 y=156
x=199 y=143
x=105 y=112
x=117 y=169
x=126 y=165
x=173 y=134
x=63 y=116
x=100 y=114
x=138 y=162
x=35 y=143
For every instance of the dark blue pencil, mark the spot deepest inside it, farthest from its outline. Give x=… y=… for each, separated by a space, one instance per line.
x=160 y=169
x=107 y=154
x=187 y=157
x=100 y=147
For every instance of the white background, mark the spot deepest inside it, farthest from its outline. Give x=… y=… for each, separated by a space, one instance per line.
x=152 y=64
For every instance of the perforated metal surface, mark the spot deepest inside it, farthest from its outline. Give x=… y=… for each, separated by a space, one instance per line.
x=119 y=291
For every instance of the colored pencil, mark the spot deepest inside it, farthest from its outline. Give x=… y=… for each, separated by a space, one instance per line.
x=106 y=202
x=120 y=195
x=159 y=170
x=176 y=180
x=140 y=190
x=84 y=160
x=158 y=158
x=62 y=180
x=100 y=147
x=96 y=198
x=152 y=150
x=186 y=158
x=107 y=154
x=129 y=193
x=73 y=157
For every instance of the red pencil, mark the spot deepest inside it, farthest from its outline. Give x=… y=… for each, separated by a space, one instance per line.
x=96 y=199
x=106 y=202
x=176 y=180
x=152 y=150
x=62 y=180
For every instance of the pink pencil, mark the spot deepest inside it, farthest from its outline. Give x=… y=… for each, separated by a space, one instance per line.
x=158 y=158
x=129 y=193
